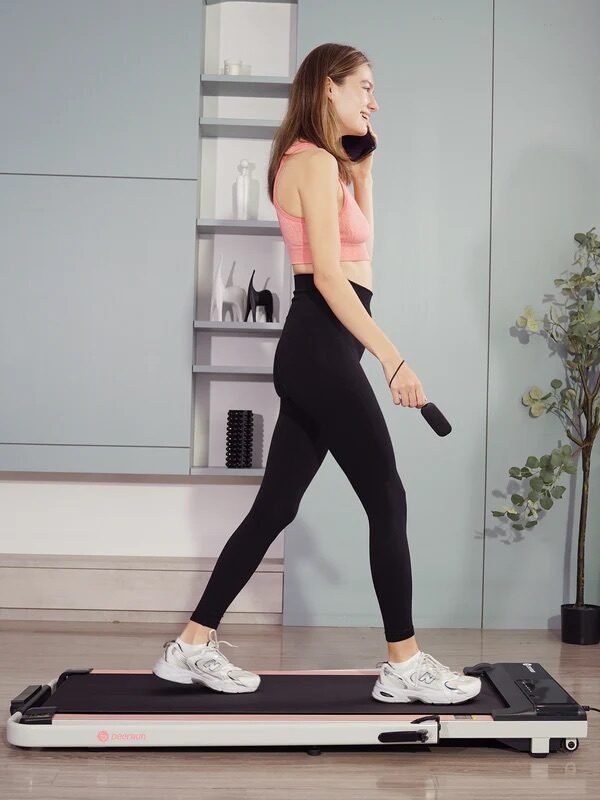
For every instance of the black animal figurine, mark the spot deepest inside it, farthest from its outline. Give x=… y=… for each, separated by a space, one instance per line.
x=262 y=297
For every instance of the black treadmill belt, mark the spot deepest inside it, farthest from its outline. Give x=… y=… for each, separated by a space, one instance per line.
x=124 y=693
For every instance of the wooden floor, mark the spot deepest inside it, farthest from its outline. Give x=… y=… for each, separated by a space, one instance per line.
x=38 y=652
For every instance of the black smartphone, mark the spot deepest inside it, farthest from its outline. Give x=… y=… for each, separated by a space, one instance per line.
x=358 y=147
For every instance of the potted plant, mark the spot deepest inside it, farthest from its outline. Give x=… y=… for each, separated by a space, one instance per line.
x=574 y=326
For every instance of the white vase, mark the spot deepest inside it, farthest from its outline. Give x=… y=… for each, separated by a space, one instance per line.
x=242 y=189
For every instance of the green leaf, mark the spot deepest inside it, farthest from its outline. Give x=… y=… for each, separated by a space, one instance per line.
x=546 y=502
x=556 y=383
x=532 y=462
x=498 y=513
x=531 y=524
x=514 y=472
x=517 y=500
x=557 y=491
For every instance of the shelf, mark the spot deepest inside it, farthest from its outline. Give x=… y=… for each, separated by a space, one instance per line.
x=260 y=328
x=232 y=370
x=254 y=127
x=245 y=85
x=250 y=472
x=213 y=127
x=216 y=2
x=247 y=227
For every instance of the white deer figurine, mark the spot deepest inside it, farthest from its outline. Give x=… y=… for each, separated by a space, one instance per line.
x=232 y=296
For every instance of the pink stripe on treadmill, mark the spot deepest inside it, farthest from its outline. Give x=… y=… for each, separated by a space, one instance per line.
x=258 y=672
x=99 y=718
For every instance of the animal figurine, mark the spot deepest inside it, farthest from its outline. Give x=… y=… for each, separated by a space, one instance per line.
x=262 y=297
x=231 y=296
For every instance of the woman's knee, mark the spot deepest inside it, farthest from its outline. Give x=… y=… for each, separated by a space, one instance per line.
x=275 y=513
x=386 y=498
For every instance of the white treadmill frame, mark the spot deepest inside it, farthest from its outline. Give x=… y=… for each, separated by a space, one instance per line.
x=255 y=730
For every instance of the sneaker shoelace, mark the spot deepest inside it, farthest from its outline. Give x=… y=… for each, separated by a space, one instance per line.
x=428 y=660
x=214 y=645
x=221 y=658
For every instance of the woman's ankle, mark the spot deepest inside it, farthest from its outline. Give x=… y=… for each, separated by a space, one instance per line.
x=402 y=650
x=194 y=633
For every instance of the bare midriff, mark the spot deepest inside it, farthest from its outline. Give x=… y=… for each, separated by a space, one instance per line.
x=357 y=271
x=288 y=198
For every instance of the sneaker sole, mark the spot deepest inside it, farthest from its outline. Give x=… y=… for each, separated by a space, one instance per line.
x=406 y=696
x=173 y=674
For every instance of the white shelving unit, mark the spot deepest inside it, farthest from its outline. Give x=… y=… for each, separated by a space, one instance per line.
x=238 y=128
x=233 y=108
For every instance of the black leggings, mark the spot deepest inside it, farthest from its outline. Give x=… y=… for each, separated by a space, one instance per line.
x=327 y=403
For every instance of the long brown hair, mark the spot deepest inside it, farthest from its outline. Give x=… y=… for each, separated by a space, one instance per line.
x=309 y=115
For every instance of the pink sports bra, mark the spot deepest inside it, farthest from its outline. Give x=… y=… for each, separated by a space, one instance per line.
x=354 y=226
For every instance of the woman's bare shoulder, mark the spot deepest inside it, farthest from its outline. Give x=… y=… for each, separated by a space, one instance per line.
x=320 y=163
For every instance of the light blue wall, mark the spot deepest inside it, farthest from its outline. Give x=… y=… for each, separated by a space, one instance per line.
x=488 y=162
x=98 y=177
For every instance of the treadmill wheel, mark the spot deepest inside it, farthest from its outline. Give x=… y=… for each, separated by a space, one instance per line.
x=569 y=745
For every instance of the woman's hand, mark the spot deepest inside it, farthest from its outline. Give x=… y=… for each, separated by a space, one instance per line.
x=406 y=387
x=362 y=169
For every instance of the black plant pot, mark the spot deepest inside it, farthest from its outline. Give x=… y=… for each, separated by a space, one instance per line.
x=580 y=624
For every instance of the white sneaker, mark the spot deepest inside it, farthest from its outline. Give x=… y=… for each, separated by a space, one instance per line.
x=206 y=665
x=429 y=682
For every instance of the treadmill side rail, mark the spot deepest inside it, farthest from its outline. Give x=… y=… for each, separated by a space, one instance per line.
x=106 y=733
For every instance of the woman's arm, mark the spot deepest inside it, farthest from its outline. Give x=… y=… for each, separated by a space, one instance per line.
x=363 y=194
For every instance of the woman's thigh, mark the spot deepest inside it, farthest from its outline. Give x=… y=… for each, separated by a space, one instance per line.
x=317 y=370
x=296 y=452
x=334 y=393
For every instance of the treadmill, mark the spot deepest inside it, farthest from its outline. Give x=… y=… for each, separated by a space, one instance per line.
x=520 y=706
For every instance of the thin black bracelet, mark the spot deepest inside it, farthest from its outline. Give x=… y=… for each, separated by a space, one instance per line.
x=394 y=375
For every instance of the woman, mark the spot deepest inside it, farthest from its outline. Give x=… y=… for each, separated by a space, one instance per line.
x=327 y=403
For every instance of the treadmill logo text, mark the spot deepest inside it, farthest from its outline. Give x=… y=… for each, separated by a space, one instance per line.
x=104 y=736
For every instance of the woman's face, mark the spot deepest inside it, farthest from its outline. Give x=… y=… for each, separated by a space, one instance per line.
x=353 y=100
